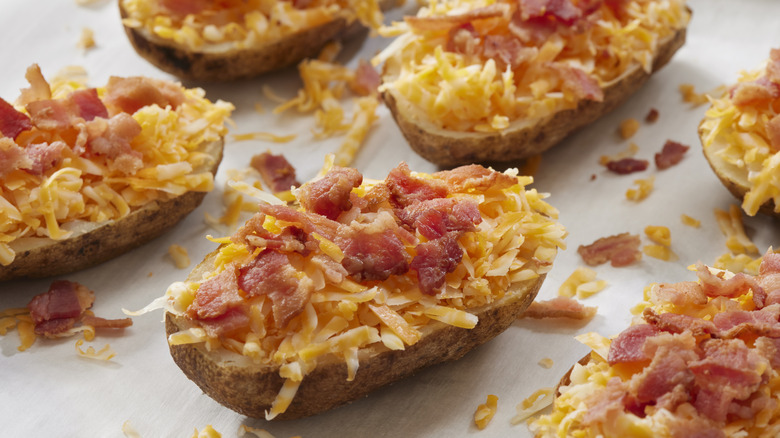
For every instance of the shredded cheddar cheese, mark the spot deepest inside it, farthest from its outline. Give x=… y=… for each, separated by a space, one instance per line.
x=246 y=24
x=690 y=221
x=642 y=190
x=535 y=402
x=628 y=128
x=468 y=92
x=105 y=353
x=582 y=283
x=730 y=223
x=179 y=255
x=516 y=240
x=546 y=363
x=78 y=193
x=486 y=411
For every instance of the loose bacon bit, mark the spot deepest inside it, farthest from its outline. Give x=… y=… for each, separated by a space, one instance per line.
x=12 y=122
x=463 y=39
x=367 y=79
x=276 y=172
x=434 y=260
x=560 y=307
x=39 y=88
x=563 y=10
x=112 y=139
x=329 y=195
x=652 y=116
x=627 y=347
x=773 y=67
x=626 y=166
x=98 y=322
x=56 y=310
x=49 y=114
x=605 y=403
x=131 y=94
x=621 y=250
x=671 y=154
x=406 y=189
x=678 y=323
x=770 y=263
x=770 y=349
x=88 y=104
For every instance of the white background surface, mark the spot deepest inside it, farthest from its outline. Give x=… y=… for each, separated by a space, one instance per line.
x=49 y=391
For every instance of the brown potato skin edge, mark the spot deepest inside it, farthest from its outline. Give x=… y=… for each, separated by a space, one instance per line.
x=738 y=190
x=239 y=63
x=566 y=379
x=450 y=151
x=108 y=241
x=250 y=391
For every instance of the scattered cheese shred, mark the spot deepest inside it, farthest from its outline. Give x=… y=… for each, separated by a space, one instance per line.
x=689 y=221
x=207 y=432
x=179 y=255
x=87 y=39
x=689 y=95
x=259 y=433
x=738 y=263
x=264 y=136
x=105 y=353
x=581 y=283
x=660 y=252
x=129 y=431
x=486 y=411
x=628 y=128
x=643 y=189
x=537 y=401
x=546 y=363
x=730 y=223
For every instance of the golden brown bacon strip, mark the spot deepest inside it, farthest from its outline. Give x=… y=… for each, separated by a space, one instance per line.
x=671 y=154
x=560 y=307
x=276 y=172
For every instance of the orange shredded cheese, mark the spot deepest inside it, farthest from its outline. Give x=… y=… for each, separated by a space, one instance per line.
x=689 y=221
x=689 y=95
x=87 y=39
x=546 y=363
x=179 y=255
x=628 y=128
x=486 y=411
x=730 y=223
x=581 y=283
x=642 y=190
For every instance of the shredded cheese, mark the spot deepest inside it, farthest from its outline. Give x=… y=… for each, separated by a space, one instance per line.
x=690 y=221
x=581 y=283
x=730 y=223
x=535 y=402
x=105 y=353
x=546 y=363
x=486 y=411
x=179 y=255
x=628 y=128
x=469 y=93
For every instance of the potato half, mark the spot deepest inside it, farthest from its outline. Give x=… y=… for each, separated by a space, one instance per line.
x=225 y=62
x=96 y=243
x=234 y=381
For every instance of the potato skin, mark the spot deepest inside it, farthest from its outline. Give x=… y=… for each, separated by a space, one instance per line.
x=250 y=390
x=451 y=148
x=109 y=240
x=228 y=65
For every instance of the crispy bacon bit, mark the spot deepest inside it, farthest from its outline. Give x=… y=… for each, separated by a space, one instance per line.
x=621 y=250
x=671 y=154
x=271 y=274
x=506 y=51
x=232 y=321
x=49 y=114
x=562 y=10
x=12 y=157
x=560 y=307
x=88 y=104
x=329 y=195
x=446 y=22
x=475 y=176
x=39 y=88
x=678 y=323
x=762 y=322
x=406 y=189
x=770 y=349
x=652 y=116
x=112 y=139
x=216 y=295
x=12 y=122
x=626 y=166
x=277 y=173
x=131 y=94
x=667 y=378
x=463 y=39
x=603 y=404
x=436 y=217
x=753 y=92
x=579 y=83
x=98 y=322
x=770 y=263
x=367 y=79
x=773 y=67
x=434 y=260
x=716 y=286
x=680 y=294
x=57 y=310
x=627 y=347
x=44 y=156
x=374 y=255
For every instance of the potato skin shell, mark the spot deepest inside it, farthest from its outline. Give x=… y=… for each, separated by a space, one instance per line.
x=108 y=241
x=251 y=390
x=450 y=149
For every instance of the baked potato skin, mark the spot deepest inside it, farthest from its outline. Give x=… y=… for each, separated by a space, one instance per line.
x=110 y=240
x=221 y=66
x=251 y=390
x=450 y=149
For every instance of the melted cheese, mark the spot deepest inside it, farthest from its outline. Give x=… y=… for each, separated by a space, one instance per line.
x=247 y=24
x=471 y=94
x=343 y=317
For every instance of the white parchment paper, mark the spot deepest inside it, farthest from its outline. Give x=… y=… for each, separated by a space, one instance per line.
x=49 y=391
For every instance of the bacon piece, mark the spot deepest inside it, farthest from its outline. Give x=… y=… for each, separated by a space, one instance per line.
x=678 y=323
x=12 y=157
x=463 y=39
x=39 y=88
x=434 y=260
x=671 y=154
x=728 y=371
x=773 y=66
x=373 y=252
x=754 y=92
x=271 y=274
x=131 y=94
x=474 y=176
x=252 y=233
x=308 y=222
x=436 y=217
x=579 y=83
x=559 y=307
x=49 y=114
x=770 y=263
x=98 y=322
x=762 y=322
x=112 y=139
x=652 y=116
x=506 y=51
x=770 y=349
x=216 y=295
x=329 y=195
x=12 y=122
x=603 y=404
x=716 y=286
x=44 y=156
x=367 y=79
x=233 y=321
x=88 y=104
x=667 y=371
x=621 y=249
x=65 y=301
x=679 y=294
x=627 y=346
x=406 y=189
x=562 y=10
x=446 y=22
x=276 y=172
x=626 y=166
